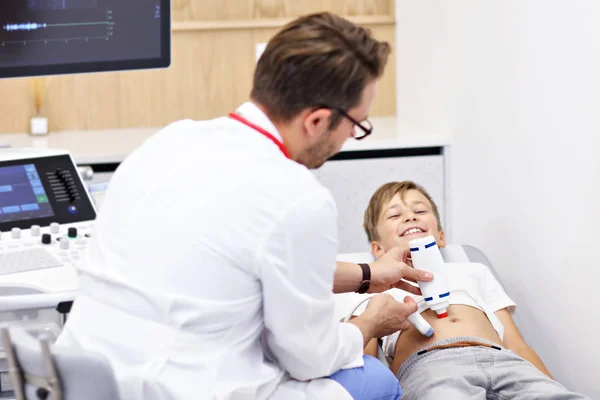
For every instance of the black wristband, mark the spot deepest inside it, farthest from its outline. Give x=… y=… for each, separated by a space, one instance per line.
x=366 y=278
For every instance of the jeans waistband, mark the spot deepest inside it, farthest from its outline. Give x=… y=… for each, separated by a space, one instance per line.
x=413 y=358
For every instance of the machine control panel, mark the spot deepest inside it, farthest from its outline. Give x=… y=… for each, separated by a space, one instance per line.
x=46 y=214
x=38 y=191
x=39 y=247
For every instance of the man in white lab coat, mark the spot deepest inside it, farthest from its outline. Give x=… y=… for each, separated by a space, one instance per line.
x=212 y=269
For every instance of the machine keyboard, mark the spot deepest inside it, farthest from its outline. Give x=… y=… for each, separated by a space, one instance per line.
x=12 y=262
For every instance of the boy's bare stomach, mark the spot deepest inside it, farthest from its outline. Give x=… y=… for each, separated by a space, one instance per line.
x=461 y=321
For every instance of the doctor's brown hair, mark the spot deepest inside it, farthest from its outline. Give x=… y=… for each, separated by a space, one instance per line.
x=318 y=59
x=383 y=196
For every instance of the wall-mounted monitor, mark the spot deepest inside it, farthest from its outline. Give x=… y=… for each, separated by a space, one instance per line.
x=49 y=37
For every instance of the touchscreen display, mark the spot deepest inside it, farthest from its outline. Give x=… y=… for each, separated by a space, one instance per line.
x=22 y=195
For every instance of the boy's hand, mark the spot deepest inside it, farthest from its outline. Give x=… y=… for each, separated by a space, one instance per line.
x=391 y=271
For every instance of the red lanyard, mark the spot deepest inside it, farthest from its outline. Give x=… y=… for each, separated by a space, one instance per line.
x=262 y=132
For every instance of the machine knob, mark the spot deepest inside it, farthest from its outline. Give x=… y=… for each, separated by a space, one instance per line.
x=87 y=173
x=54 y=227
x=16 y=233
x=46 y=238
x=35 y=230
x=72 y=232
x=64 y=242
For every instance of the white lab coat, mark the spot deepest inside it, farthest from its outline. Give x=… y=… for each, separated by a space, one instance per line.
x=210 y=273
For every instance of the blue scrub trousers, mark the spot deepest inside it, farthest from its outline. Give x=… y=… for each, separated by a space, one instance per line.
x=373 y=381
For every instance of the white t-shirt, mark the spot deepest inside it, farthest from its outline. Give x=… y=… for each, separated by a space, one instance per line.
x=471 y=284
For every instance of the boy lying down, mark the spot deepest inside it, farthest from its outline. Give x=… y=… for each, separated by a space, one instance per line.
x=477 y=351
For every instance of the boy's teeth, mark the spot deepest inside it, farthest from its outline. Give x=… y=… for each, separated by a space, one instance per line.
x=413 y=230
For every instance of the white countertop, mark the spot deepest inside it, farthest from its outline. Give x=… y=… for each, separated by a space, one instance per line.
x=113 y=145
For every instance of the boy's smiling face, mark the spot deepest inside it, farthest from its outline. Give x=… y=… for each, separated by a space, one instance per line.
x=403 y=220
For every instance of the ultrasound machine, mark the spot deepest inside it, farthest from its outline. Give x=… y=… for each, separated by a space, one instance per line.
x=46 y=211
x=46 y=222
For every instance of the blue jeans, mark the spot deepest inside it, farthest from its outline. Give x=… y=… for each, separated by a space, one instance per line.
x=373 y=381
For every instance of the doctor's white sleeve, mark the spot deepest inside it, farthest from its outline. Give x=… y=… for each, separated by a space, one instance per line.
x=296 y=264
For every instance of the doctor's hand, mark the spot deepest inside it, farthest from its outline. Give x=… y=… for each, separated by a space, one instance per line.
x=384 y=316
x=392 y=271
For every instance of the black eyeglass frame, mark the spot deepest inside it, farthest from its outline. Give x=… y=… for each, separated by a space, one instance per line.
x=366 y=130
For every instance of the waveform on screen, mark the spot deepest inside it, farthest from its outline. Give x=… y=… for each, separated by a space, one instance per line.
x=28 y=26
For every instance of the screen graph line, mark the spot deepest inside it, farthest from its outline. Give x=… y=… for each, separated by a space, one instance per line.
x=31 y=26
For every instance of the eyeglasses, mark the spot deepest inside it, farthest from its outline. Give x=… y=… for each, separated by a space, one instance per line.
x=361 y=129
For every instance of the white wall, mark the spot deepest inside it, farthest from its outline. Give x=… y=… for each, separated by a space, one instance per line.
x=517 y=84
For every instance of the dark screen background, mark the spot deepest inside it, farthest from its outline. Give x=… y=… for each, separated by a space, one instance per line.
x=37 y=33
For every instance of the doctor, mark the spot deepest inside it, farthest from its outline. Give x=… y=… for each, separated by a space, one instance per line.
x=211 y=271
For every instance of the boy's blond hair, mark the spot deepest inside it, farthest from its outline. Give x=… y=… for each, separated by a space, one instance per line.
x=383 y=196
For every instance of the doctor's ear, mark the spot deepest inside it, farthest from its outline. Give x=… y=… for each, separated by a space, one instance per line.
x=317 y=122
